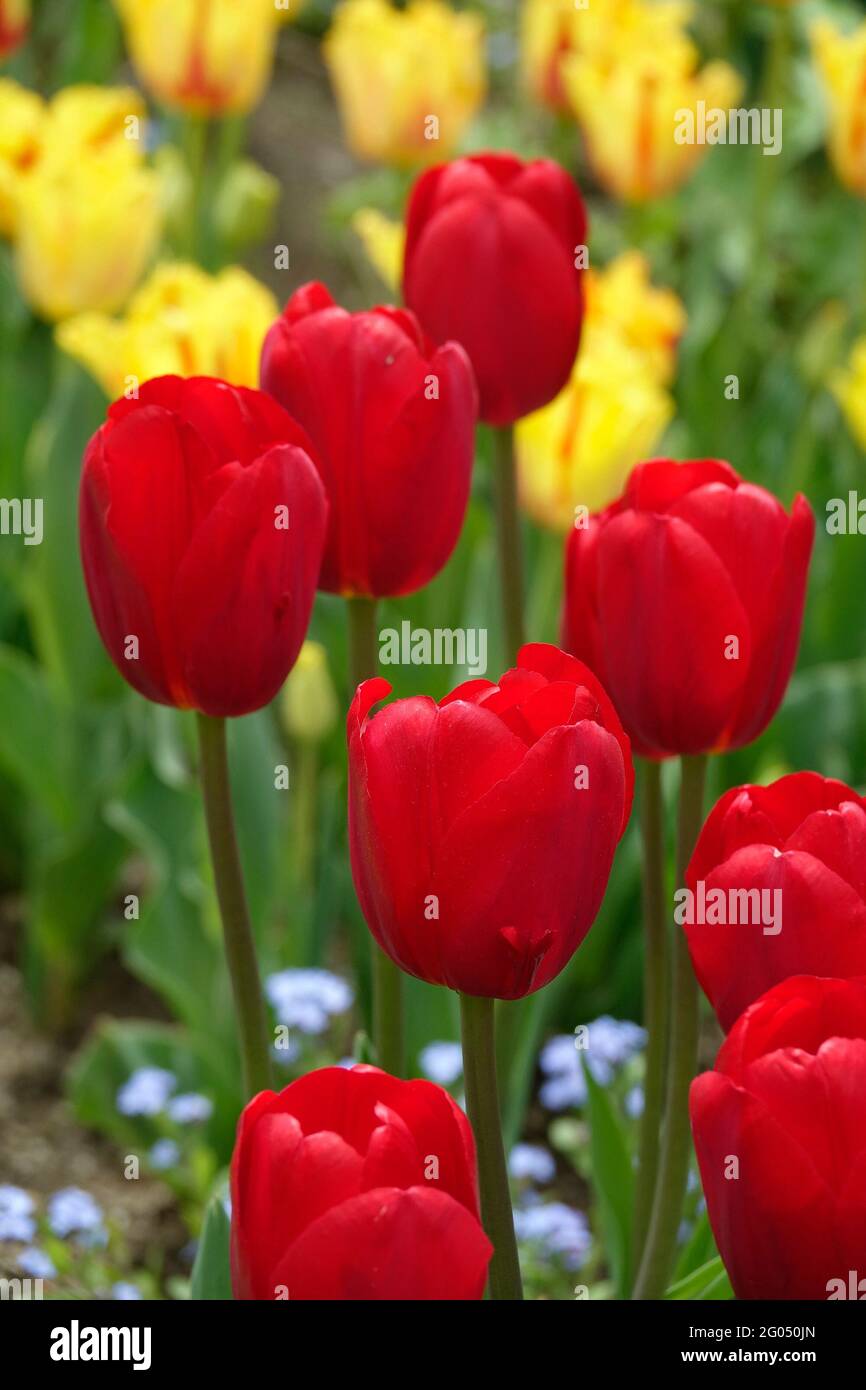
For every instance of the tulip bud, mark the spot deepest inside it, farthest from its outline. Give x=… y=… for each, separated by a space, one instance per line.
x=309 y=702
x=352 y=1185
x=407 y=81
x=495 y=253
x=201 y=522
x=209 y=57
x=244 y=205
x=841 y=61
x=391 y=420
x=686 y=596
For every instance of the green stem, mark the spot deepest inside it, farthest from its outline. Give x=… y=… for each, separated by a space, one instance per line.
x=482 y=1104
x=656 y=975
x=387 y=980
x=508 y=538
x=237 y=929
x=195 y=133
x=673 y=1170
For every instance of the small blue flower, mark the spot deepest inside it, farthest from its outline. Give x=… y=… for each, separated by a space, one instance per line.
x=605 y=1045
x=307 y=999
x=615 y=1041
x=563 y=1092
x=190 y=1109
x=16 y=1222
x=163 y=1155
x=441 y=1062
x=37 y=1264
x=146 y=1092
x=125 y=1292
x=74 y=1212
x=634 y=1103
x=533 y=1162
x=556 y=1230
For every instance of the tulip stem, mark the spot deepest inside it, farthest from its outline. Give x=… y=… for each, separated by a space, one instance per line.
x=387 y=980
x=660 y=1249
x=482 y=1103
x=240 y=945
x=508 y=538
x=656 y=978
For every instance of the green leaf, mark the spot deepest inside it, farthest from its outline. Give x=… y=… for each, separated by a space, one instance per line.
x=211 y=1273
x=710 y=1281
x=613 y=1179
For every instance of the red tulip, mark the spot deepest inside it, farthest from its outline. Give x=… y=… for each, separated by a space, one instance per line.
x=482 y=829
x=202 y=521
x=351 y=1185
x=392 y=421
x=803 y=840
x=780 y=1134
x=686 y=597
x=492 y=257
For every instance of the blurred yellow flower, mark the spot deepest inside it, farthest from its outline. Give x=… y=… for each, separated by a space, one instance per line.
x=21 y=116
x=841 y=61
x=85 y=211
x=14 y=23
x=407 y=82
x=308 y=704
x=849 y=387
x=383 y=239
x=181 y=321
x=629 y=111
x=209 y=57
x=551 y=30
x=648 y=318
x=578 y=451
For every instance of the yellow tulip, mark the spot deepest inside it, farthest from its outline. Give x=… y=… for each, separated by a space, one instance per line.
x=14 y=23
x=841 y=60
x=308 y=704
x=552 y=30
x=849 y=387
x=21 y=116
x=181 y=321
x=408 y=81
x=650 y=319
x=578 y=451
x=87 y=212
x=628 y=113
x=383 y=239
x=209 y=57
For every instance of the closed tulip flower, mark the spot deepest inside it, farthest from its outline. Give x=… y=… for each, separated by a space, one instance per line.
x=780 y=1133
x=686 y=597
x=841 y=62
x=202 y=521
x=494 y=250
x=351 y=1185
x=629 y=110
x=88 y=210
x=798 y=849
x=209 y=57
x=482 y=829
x=14 y=24
x=391 y=419
x=407 y=81
x=181 y=322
